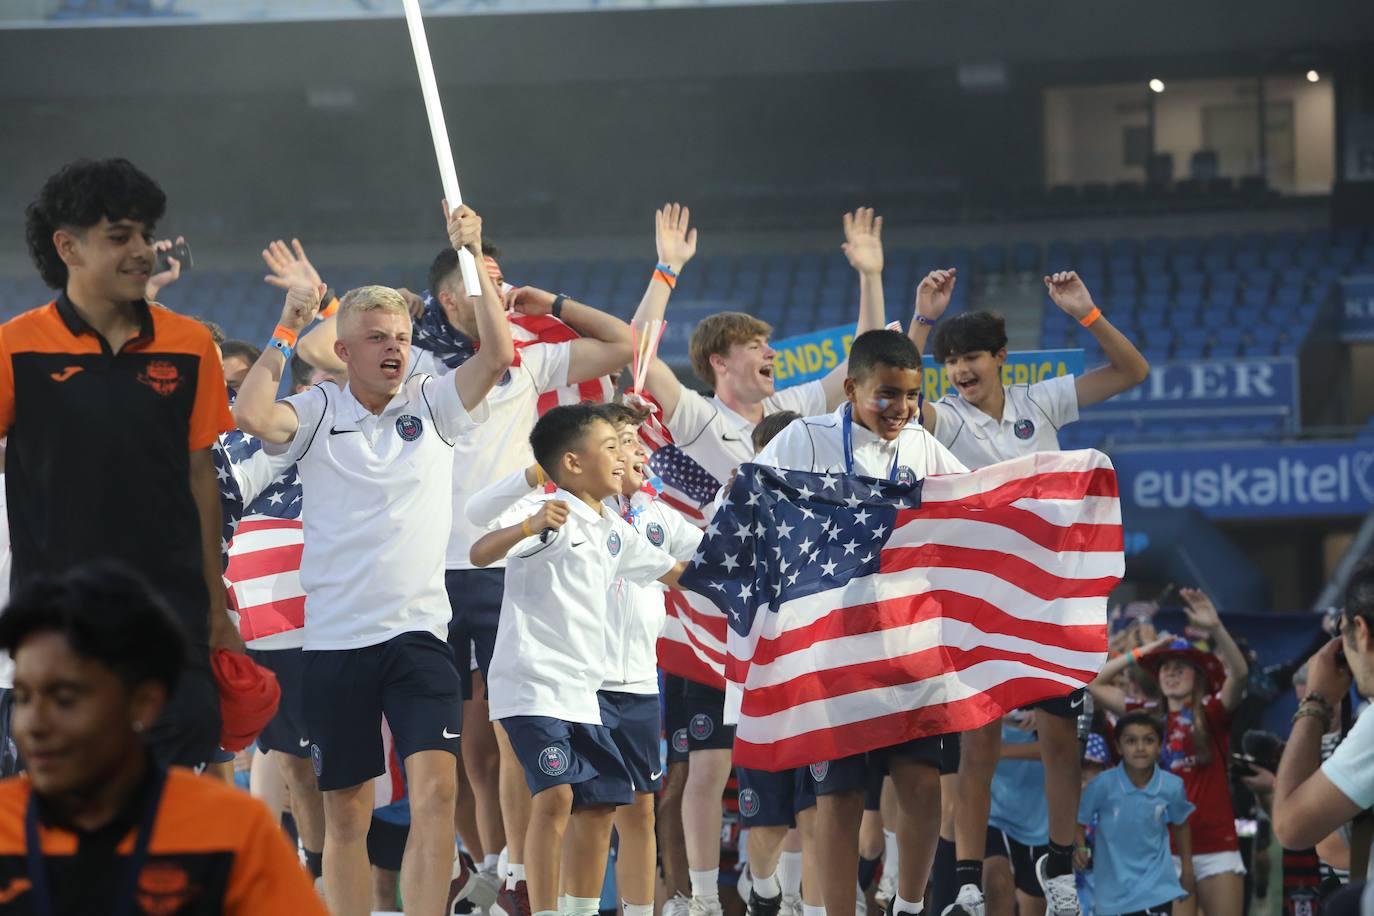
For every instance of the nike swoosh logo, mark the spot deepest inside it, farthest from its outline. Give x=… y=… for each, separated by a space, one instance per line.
x=731 y=438
x=305 y=742
x=340 y=432
x=16 y=887
x=449 y=734
x=65 y=373
x=654 y=776
x=1074 y=704
x=578 y=543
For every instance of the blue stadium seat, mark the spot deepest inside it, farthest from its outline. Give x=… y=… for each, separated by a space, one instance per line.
x=1255 y=296
x=1191 y=280
x=1216 y=261
x=1248 y=259
x=1189 y=299
x=1224 y=298
x=1259 y=277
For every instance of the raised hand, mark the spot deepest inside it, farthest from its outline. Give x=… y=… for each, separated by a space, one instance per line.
x=415 y=302
x=676 y=243
x=290 y=267
x=550 y=516
x=302 y=304
x=1200 y=610
x=159 y=281
x=863 y=241
x=934 y=292
x=464 y=229
x=529 y=300
x=1070 y=294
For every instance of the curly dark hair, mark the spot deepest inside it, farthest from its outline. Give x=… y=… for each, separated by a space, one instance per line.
x=77 y=197
x=971 y=332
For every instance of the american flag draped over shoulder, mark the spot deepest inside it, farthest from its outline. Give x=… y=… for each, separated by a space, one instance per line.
x=864 y=613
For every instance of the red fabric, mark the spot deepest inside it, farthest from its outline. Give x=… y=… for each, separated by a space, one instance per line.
x=248 y=698
x=1213 y=824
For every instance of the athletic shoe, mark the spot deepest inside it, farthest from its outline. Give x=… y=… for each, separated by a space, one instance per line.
x=1061 y=893
x=968 y=903
x=700 y=906
x=791 y=905
x=462 y=882
x=512 y=902
x=762 y=906
x=484 y=891
x=860 y=902
x=886 y=894
x=679 y=905
x=744 y=885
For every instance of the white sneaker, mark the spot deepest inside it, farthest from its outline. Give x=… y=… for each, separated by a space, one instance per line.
x=968 y=903
x=745 y=884
x=791 y=905
x=1061 y=893
x=677 y=905
x=860 y=902
x=485 y=889
x=886 y=894
x=704 y=906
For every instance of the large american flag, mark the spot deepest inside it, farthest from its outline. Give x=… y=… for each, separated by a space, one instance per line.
x=864 y=613
x=533 y=329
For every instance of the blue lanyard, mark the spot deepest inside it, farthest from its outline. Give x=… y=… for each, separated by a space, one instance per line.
x=125 y=893
x=847 y=428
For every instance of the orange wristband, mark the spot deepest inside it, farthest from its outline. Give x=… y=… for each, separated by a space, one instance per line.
x=1088 y=319
x=666 y=278
x=286 y=335
x=329 y=310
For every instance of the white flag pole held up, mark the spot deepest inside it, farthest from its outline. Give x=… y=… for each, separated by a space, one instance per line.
x=448 y=174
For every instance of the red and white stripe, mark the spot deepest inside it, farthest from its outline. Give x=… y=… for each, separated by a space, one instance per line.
x=990 y=597
x=533 y=329
x=264 y=576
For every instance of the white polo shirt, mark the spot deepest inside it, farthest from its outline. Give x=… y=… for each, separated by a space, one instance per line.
x=720 y=440
x=502 y=443
x=1030 y=422
x=637 y=612
x=550 y=654
x=816 y=444
x=379 y=509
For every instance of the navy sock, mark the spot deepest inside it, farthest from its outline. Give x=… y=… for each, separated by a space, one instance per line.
x=868 y=870
x=968 y=871
x=1060 y=861
x=315 y=862
x=943 y=886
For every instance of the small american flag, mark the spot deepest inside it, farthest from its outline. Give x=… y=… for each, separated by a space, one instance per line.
x=864 y=613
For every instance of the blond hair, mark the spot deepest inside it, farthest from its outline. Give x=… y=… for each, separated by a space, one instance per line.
x=716 y=334
x=357 y=302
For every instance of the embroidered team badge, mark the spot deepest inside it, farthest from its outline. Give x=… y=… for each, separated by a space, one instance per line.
x=906 y=476
x=161 y=376
x=820 y=770
x=748 y=802
x=164 y=887
x=654 y=532
x=613 y=543
x=680 y=741
x=408 y=427
x=1024 y=429
x=701 y=726
x=553 y=761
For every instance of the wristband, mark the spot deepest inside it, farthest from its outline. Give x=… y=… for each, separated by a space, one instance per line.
x=556 y=310
x=1304 y=711
x=667 y=270
x=525 y=527
x=1088 y=319
x=922 y=319
x=669 y=279
x=331 y=304
x=276 y=343
x=280 y=332
x=1133 y=657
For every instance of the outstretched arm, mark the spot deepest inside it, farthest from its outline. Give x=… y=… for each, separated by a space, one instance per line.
x=932 y=299
x=676 y=245
x=863 y=246
x=604 y=346
x=494 y=545
x=1125 y=368
x=1203 y=615
x=290 y=267
x=256 y=409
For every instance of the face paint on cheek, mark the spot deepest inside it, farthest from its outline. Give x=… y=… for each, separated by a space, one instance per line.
x=880 y=404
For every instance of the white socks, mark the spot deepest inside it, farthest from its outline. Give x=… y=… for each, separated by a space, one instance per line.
x=790 y=873
x=581 y=906
x=490 y=862
x=889 y=853
x=906 y=906
x=705 y=883
x=809 y=910
x=637 y=909
x=514 y=875
x=767 y=887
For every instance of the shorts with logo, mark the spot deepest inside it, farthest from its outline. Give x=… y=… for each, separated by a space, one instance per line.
x=633 y=721
x=557 y=753
x=409 y=678
x=774 y=799
x=286 y=733
x=706 y=728
x=1065 y=707
x=865 y=772
x=675 y=717
x=474 y=596
x=1021 y=857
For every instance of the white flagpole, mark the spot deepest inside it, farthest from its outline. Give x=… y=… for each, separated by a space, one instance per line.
x=448 y=174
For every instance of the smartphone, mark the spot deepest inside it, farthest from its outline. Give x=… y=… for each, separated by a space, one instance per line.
x=1242 y=765
x=181 y=251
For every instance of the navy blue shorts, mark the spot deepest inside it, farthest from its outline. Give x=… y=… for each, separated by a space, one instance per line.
x=1066 y=707
x=865 y=772
x=706 y=728
x=286 y=733
x=474 y=596
x=557 y=753
x=675 y=717
x=774 y=799
x=633 y=721
x=409 y=679
x=1022 y=858
x=949 y=754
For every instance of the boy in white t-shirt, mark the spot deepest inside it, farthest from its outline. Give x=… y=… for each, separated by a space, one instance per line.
x=983 y=422
x=873 y=435
x=378 y=454
x=551 y=654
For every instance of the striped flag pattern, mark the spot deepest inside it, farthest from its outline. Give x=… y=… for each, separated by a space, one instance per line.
x=533 y=329
x=862 y=613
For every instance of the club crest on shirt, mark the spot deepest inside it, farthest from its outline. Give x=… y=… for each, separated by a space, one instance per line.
x=1024 y=429
x=161 y=376
x=748 y=802
x=408 y=427
x=164 y=887
x=553 y=761
x=505 y=378
x=906 y=476
x=654 y=532
x=820 y=770
x=701 y=726
x=680 y=741
x=613 y=543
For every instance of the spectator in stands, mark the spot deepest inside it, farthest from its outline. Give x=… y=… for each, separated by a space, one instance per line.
x=1311 y=798
x=239 y=356
x=97 y=655
x=112 y=408
x=1201 y=691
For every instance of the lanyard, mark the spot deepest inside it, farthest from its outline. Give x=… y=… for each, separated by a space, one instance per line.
x=123 y=903
x=848 y=434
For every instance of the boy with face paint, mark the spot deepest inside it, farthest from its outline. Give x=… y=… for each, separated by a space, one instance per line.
x=873 y=434
x=983 y=422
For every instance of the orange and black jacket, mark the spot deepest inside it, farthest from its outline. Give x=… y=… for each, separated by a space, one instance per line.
x=214 y=850
x=98 y=459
